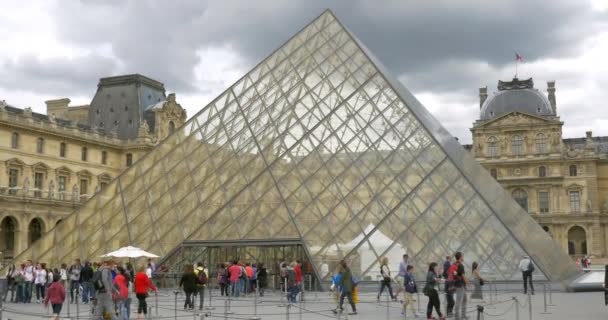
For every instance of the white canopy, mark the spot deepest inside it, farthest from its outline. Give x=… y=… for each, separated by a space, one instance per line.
x=129 y=252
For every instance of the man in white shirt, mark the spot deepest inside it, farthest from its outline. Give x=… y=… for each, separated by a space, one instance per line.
x=527 y=268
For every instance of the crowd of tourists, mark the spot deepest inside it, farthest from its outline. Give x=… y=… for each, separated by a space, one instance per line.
x=109 y=284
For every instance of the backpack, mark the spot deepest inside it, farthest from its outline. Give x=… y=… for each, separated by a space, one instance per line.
x=202 y=277
x=530 y=267
x=452 y=271
x=97 y=283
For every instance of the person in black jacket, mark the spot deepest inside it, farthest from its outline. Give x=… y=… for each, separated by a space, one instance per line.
x=262 y=278
x=189 y=282
x=86 y=276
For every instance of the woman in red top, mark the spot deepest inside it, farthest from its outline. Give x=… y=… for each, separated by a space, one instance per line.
x=56 y=296
x=141 y=285
x=122 y=284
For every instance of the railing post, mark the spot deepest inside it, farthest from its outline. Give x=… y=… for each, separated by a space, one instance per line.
x=176 y=293
x=545 y=299
x=210 y=306
x=156 y=303
x=77 y=306
x=479 y=312
x=529 y=305
x=516 y=308
x=255 y=302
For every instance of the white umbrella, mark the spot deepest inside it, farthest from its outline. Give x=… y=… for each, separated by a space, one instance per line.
x=129 y=252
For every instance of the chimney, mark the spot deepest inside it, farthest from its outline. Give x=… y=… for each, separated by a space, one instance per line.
x=589 y=134
x=57 y=107
x=551 y=96
x=483 y=95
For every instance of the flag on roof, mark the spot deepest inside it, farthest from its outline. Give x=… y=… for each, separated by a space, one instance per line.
x=519 y=57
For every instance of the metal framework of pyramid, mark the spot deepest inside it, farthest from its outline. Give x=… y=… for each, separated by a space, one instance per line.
x=316 y=143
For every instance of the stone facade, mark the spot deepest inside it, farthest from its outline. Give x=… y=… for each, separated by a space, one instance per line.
x=563 y=183
x=50 y=164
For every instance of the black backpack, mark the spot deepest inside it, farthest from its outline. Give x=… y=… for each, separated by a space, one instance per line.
x=97 y=282
x=530 y=267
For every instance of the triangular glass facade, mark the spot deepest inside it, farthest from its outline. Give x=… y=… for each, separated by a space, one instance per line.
x=316 y=143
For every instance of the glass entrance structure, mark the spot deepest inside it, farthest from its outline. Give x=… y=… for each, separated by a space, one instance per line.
x=317 y=143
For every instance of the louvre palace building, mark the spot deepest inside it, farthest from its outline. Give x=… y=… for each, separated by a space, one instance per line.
x=51 y=164
x=561 y=183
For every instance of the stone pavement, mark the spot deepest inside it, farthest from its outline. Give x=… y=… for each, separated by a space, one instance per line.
x=319 y=305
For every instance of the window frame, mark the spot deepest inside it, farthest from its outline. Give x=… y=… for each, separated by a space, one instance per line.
x=517 y=145
x=520 y=200
x=84 y=154
x=546 y=208
x=572 y=170
x=492 y=147
x=63 y=150
x=129 y=159
x=15 y=140
x=542 y=171
x=40 y=145
x=575 y=204
x=541 y=143
x=104 y=157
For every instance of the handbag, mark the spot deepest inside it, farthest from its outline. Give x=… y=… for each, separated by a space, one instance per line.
x=481 y=282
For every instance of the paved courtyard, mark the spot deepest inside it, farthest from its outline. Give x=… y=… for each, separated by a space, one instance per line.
x=319 y=305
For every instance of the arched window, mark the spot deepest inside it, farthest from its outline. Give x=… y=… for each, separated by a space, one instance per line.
x=84 y=153
x=541 y=143
x=171 y=127
x=542 y=171
x=493 y=173
x=40 y=145
x=492 y=147
x=15 y=141
x=517 y=145
x=35 y=230
x=521 y=197
x=8 y=229
x=129 y=159
x=577 y=241
x=572 y=170
x=62 y=149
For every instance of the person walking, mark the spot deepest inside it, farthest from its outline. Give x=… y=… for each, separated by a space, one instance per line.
x=121 y=283
x=86 y=276
x=346 y=282
x=40 y=278
x=477 y=281
x=385 y=272
x=262 y=277
x=410 y=290
x=201 y=275
x=74 y=272
x=448 y=286
x=56 y=296
x=235 y=274
x=402 y=271
x=189 y=283
x=431 y=290
x=460 y=282
x=527 y=268
x=292 y=286
x=102 y=280
x=141 y=284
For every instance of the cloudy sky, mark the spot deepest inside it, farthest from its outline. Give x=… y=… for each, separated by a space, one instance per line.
x=442 y=50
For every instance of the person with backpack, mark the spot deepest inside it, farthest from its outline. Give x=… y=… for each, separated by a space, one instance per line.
x=459 y=282
x=201 y=275
x=56 y=296
x=189 y=282
x=222 y=279
x=141 y=284
x=448 y=288
x=385 y=272
x=431 y=290
x=102 y=281
x=527 y=268
x=347 y=284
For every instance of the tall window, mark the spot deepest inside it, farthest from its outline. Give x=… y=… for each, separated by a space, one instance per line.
x=521 y=197
x=543 y=201
x=84 y=153
x=541 y=143
x=104 y=157
x=542 y=171
x=494 y=173
x=35 y=230
x=575 y=201
x=13 y=181
x=492 y=147
x=38 y=180
x=62 y=149
x=572 y=170
x=40 y=145
x=171 y=127
x=129 y=159
x=84 y=183
x=517 y=145
x=9 y=228
x=15 y=140
x=102 y=185
x=61 y=189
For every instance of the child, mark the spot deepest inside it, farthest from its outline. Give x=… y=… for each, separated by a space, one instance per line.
x=56 y=295
x=410 y=290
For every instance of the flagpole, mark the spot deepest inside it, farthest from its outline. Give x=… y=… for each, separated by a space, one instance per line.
x=516 y=65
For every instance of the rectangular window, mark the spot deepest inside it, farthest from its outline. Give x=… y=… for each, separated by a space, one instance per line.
x=62 y=150
x=575 y=201
x=103 y=185
x=543 y=201
x=83 y=186
x=104 y=157
x=129 y=159
x=84 y=153
x=38 y=179
x=62 y=180
x=40 y=145
x=13 y=181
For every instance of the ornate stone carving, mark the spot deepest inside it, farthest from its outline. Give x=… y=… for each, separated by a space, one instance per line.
x=605 y=206
x=27 y=111
x=2 y=105
x=516 y=84
x=143 y=130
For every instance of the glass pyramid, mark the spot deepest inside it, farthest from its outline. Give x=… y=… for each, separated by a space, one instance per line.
x=316 y=143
